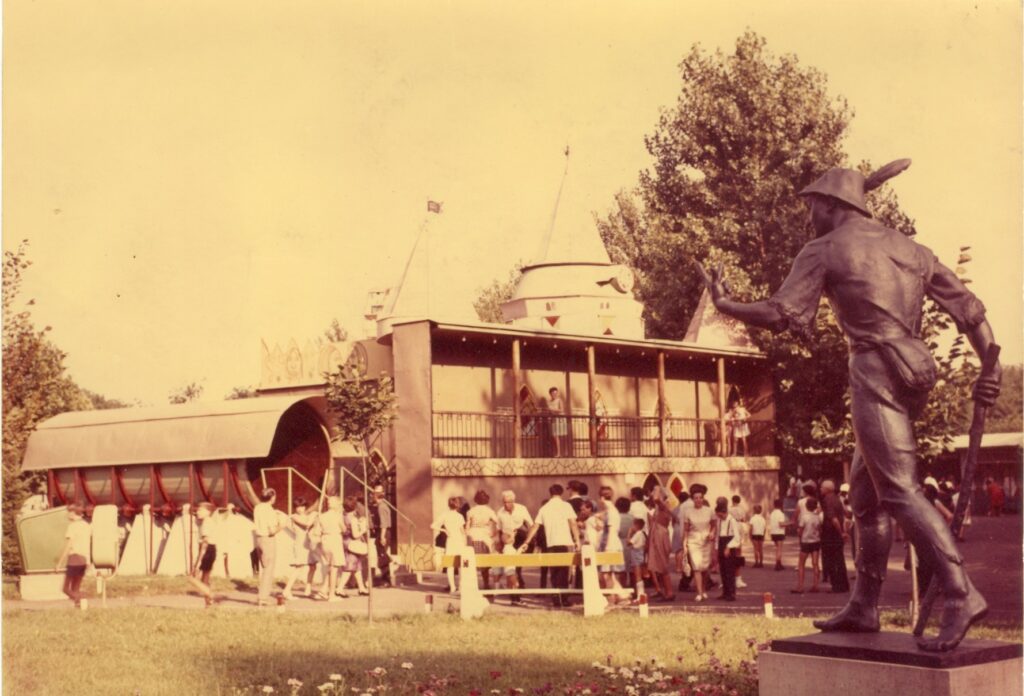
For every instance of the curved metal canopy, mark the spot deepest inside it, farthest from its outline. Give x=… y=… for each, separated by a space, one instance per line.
x=238 y=429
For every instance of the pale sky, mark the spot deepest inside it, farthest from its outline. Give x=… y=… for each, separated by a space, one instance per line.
x=195 y=176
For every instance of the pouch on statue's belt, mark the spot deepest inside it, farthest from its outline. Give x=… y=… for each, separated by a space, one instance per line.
x=911 y=360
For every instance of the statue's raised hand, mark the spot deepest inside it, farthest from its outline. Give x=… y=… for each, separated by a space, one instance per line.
x=715 y=282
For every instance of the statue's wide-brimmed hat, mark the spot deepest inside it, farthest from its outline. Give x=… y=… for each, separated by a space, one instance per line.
x=849 y=185
x=846 y=185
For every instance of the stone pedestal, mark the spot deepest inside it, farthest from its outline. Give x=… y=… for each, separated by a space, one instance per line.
x=887 y=663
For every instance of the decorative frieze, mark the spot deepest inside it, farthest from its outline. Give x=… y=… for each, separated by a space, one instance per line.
x=584 y=466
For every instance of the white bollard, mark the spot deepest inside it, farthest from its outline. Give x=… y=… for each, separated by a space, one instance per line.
x=428 y=603
x=769 y=609
x=645 y=609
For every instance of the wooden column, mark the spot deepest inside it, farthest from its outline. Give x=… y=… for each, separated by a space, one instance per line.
x=723 y=438
x=517 y=407
x=591 y=404
x=662 y=430
x=700 y=426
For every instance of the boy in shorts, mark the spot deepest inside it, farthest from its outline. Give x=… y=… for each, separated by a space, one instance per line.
x=810 y=544
x=508 y=548
x=76 y=553
x=758 y=524
x=777 y=529
x=207 y=556
x=637 y=548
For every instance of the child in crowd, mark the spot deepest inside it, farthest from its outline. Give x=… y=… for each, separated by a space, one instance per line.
x=777 y=530
x=303 y=550
x=637 y=545
x=758 y=524
x=357 y=548
x=809 y=531
x=506 y=547
x=625 y=531
x=76 y=553
x=207 y=556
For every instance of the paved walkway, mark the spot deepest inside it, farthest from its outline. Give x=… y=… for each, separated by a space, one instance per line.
x=993 y=553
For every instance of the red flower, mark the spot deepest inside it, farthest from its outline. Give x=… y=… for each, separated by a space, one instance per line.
x=495 y=674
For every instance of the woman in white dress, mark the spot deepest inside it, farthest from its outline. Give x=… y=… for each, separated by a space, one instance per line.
x=331 y=525
x=739 y=428
x=699 y=534
x=453 y=524
x=558 y=426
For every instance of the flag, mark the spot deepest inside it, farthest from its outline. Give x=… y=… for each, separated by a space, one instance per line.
x=433 y=206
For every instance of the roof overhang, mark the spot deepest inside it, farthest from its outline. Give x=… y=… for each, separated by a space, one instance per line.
x=238 y=429
x=670 y=347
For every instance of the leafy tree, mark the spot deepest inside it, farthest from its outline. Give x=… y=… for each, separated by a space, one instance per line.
x=35 y=387
x=336 y=333
x=489 y=299
x=362 y=409
x=101 y=403
x=183 y=395
x=241 y=393
x=1005 y=415
x=748 y=131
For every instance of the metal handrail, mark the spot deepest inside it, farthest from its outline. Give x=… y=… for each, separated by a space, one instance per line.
x=412 y=525
x=291 y=471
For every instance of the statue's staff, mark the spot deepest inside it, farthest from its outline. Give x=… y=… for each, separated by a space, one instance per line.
x=988 y=365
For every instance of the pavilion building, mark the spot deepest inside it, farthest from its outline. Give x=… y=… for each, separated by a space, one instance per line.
x=473 y=407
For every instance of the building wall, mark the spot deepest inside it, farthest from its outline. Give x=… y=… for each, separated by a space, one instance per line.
x=412 y=429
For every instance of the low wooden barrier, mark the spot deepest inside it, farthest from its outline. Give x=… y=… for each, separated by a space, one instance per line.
x=472 y=599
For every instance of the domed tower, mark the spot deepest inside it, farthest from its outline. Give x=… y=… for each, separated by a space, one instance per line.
x=571 y=285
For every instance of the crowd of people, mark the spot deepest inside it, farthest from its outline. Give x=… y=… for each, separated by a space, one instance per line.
x=662 y=536
x=344 y=541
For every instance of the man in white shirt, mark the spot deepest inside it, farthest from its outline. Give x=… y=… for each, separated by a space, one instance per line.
x=514 y=519
x=729 y=538
x=267 y=524
x=562 y=533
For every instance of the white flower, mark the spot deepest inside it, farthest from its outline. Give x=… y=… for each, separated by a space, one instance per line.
x=335 y=677
x=378 y=671
x=268 y=689
x=325 y=686
x=294 y=682
x=692 y=679
x=406 y=665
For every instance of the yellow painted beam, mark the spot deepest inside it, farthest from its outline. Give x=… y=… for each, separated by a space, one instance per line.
x=535 y=560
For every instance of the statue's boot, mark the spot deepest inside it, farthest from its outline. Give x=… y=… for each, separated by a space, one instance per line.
x=958 y=615
x=860 y=615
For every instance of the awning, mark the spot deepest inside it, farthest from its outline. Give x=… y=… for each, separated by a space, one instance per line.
x=237 y=429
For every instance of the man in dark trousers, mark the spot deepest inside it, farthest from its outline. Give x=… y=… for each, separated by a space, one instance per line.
x=876 y=280
x=833 y=538
x=577 y=496
x=380 y=526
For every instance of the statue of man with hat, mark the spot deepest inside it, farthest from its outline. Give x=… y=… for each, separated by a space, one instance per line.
x=876 y=280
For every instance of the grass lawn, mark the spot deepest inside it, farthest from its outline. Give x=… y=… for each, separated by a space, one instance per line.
x=161 y=651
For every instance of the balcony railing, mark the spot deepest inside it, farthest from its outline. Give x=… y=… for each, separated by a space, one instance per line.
x=492 y=436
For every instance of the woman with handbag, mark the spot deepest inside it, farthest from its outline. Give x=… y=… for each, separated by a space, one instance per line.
x=356 y=548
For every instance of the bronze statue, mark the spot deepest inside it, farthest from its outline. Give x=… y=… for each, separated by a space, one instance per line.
x=876 y=280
